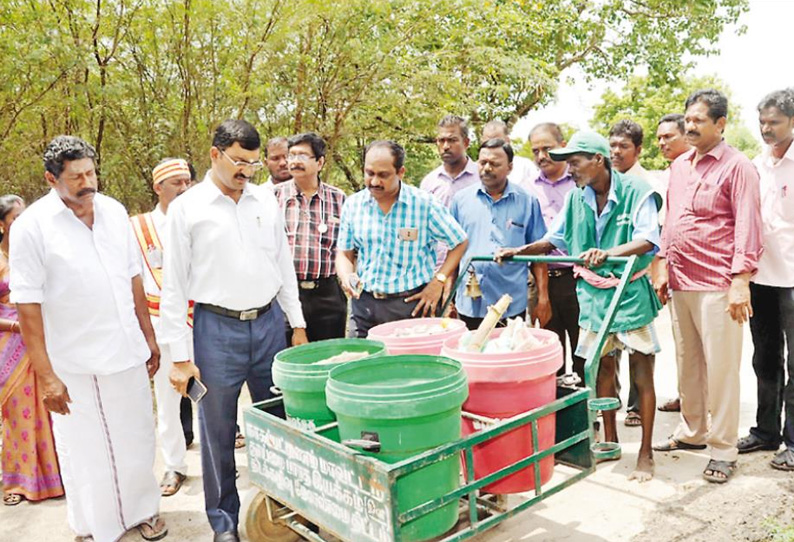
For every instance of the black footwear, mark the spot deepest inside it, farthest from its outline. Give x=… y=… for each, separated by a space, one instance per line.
x=751 y=443
x=226 y=536
x=783 y=460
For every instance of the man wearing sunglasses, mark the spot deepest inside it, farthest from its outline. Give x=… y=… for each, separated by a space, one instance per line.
x=229 y=253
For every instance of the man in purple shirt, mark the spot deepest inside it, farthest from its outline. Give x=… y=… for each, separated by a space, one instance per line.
x=456 y=172
x=551 y=187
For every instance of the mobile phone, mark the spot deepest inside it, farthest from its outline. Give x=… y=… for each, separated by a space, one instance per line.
x=196 y=390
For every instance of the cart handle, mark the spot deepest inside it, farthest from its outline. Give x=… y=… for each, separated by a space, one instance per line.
x=366 y=445
x=528 y=259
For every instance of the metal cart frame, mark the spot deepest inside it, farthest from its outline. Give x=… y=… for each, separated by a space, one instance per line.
x=303 y=475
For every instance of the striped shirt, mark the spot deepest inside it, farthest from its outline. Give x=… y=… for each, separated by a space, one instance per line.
x=713 y=228
x=313 y=250
x=396 y=251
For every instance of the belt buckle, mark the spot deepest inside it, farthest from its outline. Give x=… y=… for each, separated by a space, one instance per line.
x=378 y=295
x=249 y=314
x=307 y=284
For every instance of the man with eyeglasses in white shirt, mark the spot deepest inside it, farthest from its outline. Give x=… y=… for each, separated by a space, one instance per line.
x=227 y=251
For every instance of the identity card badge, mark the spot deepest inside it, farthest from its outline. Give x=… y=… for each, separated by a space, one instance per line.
x=408 y=234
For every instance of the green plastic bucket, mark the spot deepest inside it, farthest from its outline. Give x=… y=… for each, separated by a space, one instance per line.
x=302 y=380
x=409 y=404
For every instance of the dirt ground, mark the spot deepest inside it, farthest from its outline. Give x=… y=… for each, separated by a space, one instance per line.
x=605 y=507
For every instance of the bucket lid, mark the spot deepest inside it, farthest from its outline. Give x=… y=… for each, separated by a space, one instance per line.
x=296 y=368
x=397 y=387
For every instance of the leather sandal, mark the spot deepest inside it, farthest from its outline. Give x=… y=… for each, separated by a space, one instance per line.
x=673 y=405
x=153 y=528
x=715 y=467
x=784 y=460
x=633 y=419
x=673 y=444
x=172 y=483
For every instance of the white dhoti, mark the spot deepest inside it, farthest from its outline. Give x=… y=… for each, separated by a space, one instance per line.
x=106 y=451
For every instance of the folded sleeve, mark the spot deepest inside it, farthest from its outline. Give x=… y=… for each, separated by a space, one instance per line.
x=27 y=263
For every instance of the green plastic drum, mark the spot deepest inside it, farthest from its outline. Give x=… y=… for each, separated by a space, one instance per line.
x=302 y=380
x=409 y=404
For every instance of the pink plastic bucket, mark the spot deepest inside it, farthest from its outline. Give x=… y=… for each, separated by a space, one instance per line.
x=502 y=386
x=425 y=344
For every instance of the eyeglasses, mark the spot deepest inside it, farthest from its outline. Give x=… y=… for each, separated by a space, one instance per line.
x=256 y=166
x=300 y=157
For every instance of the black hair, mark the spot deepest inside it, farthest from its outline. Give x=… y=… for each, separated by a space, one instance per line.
x=628 y=128
x=677 y=118
x=7 y=204
x=275 y=141
x=192 y=171
x=715 y=100
x=550 y=127
x=234 y=131
x=64 y=149
x=781 y=99
x=455 y=120
x=316 y=142
x=497 y=143
x=396 y=150
x=496 y=123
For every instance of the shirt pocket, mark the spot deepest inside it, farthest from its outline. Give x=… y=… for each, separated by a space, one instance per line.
x=705 y=197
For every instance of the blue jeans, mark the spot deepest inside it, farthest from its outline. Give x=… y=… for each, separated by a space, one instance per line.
x=228 y=353
x=772 y=327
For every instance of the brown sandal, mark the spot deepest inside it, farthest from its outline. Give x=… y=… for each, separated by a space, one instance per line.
x=172 y=483
x=633 y=419
x=153 y=528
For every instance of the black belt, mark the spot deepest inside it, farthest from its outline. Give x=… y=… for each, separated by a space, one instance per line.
x=407 y=293
x=316 y=283
x=250 y=314
x=560 y=272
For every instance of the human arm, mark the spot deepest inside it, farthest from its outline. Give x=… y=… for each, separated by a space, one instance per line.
x=53 y=391
x=748 y=242
x=174 y=330
x=644 y=237
x=430 y=295
x=287 y=296
x=9 y=326
x=542 y=310
x=345 y=270
x=145 y=322
x=660 y=279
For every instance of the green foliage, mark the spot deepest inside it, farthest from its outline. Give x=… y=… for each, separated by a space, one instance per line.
x=142 y=79
x=645 y=103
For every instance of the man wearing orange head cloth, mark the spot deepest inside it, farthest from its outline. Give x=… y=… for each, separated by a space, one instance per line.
x=170 y=178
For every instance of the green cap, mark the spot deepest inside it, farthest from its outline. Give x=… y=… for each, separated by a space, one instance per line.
x=583 y=141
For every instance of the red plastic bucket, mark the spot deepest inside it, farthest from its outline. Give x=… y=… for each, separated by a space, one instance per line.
x=502 y=386
x=424 y=344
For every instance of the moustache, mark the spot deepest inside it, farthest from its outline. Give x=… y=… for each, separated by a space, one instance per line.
x=85 y=191
x=693 y=133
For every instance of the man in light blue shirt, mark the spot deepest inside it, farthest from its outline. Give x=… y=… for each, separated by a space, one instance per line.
x=386 y=247
x=497 y=213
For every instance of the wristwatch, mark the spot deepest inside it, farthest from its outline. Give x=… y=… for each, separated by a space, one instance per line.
x=441 y=277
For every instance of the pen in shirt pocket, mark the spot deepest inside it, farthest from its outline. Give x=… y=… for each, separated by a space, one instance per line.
x=510 y=222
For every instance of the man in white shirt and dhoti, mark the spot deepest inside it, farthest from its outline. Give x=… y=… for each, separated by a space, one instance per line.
x=227 y=251
x=76 y=280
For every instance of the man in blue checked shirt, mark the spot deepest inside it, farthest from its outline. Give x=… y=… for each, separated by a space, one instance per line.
x=496 y=213
x=387 y=240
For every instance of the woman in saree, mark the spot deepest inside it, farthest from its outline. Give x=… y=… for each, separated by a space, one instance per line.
x=29 y=462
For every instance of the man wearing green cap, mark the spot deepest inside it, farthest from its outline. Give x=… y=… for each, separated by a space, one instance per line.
x=613 y=215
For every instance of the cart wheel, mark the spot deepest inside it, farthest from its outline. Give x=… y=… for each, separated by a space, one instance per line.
x=257 y=527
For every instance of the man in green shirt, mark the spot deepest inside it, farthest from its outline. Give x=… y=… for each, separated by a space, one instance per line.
x=612 y=215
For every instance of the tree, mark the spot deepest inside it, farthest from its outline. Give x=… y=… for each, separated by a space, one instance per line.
x=144 y=79
x=646 y=103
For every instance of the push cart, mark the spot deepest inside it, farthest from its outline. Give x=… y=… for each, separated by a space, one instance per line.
x=310 y=484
